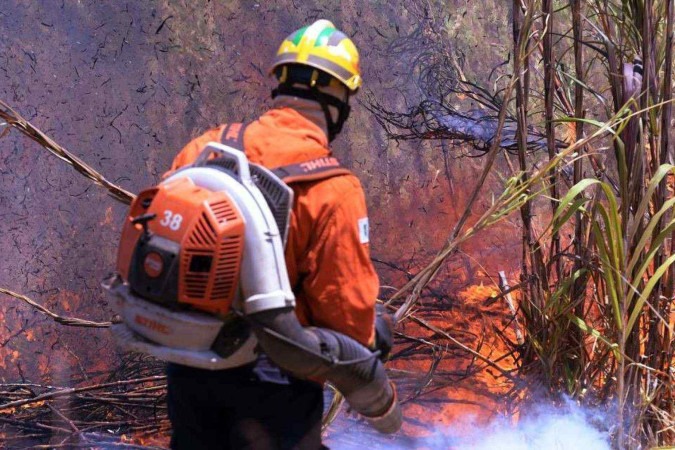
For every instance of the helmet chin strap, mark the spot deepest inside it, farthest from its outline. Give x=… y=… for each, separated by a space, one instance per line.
x=325 y=100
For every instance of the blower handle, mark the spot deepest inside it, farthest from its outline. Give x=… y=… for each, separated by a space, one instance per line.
x=143 y=219
x=236 y=156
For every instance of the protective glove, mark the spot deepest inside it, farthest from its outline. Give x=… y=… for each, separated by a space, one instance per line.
x=384 y=331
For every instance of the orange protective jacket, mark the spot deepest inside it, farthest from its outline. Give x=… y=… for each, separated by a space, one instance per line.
x=327 y=253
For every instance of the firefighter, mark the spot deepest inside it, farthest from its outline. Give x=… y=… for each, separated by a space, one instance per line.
x=327 y=254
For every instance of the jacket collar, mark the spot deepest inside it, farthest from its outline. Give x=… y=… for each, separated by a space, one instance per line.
x=284 y=136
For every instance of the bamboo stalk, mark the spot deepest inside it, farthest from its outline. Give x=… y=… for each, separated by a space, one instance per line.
x=664 y=348
x=549 y=93
x=506 y=290
x=579 y=284
x=531 y=256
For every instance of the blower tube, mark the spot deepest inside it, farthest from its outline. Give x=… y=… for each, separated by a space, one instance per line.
x=320 y=353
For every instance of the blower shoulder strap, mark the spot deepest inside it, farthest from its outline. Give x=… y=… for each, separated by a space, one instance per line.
x=312 y=170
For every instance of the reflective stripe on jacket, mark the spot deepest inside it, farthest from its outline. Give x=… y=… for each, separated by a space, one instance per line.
x=327 y=253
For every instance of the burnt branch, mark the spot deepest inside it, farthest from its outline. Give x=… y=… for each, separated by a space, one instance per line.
x=92 y=415
x=14 y=119
x=69 y=321
x=432 y=66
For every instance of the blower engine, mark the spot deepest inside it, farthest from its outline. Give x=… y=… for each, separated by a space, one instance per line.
x=182 y=254
x=202 y=281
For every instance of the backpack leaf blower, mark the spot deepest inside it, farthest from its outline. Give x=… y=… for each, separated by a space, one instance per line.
x=202 y=281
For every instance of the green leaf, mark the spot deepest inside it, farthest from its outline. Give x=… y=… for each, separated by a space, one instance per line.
x=608 y=274
x=647 y=291
x=569 y=213
x=644 y=204
x=613 y=219
x=662 y=236
x=637 y=250
x=565 y=209
x=596 y=123
x=611 y=237
x=572 y=193
x=583 y=326
x=565 y=286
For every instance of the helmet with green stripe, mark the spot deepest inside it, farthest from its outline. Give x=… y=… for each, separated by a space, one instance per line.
x=324 y=47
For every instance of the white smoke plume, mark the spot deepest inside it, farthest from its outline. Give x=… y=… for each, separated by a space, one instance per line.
x=554 y=428
x=565 y=427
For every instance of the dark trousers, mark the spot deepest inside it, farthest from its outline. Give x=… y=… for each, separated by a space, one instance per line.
x=233 y=409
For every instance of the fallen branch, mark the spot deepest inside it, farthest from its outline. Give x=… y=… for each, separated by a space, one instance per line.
x=70 y=321
x=437 y=357
x=71 y=391
x=125 y=409
x=15 y=120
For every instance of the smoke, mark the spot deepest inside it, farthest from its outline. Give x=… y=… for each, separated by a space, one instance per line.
x=560 y=427
x=557 y=428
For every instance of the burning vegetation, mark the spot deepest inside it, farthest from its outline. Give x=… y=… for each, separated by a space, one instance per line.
x=547 y=275
x=596 y=280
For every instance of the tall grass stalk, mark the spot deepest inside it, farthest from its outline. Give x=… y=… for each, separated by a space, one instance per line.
x=598 y=309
